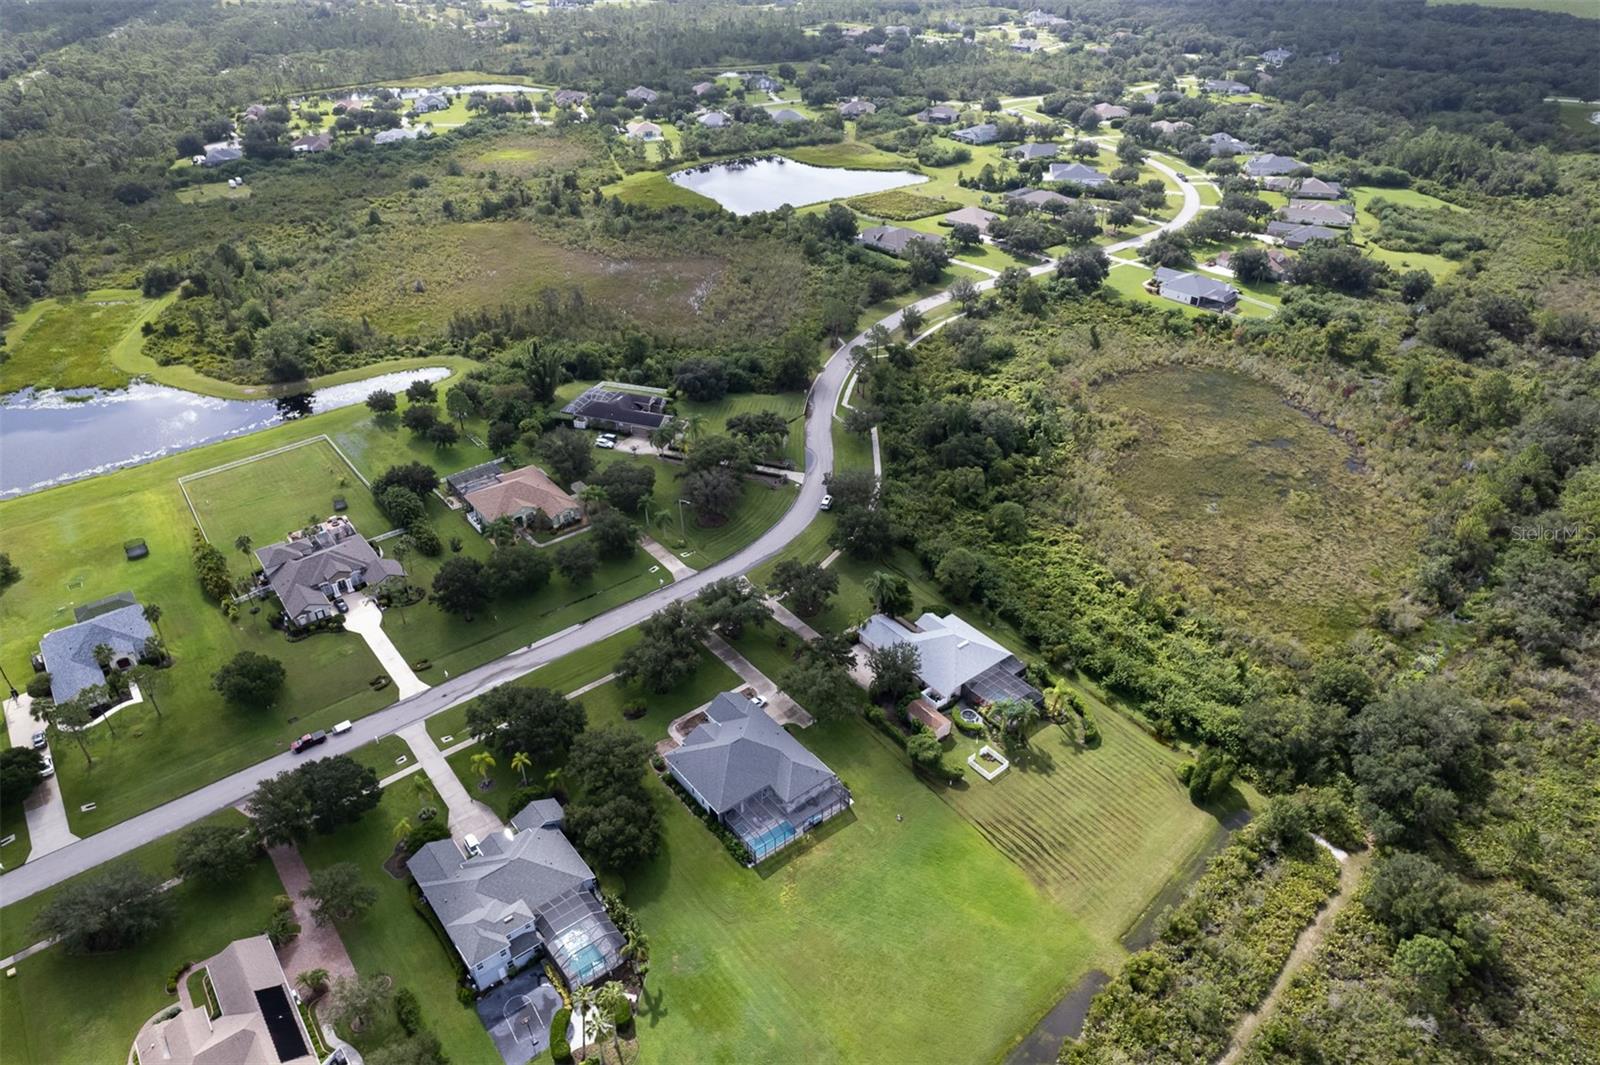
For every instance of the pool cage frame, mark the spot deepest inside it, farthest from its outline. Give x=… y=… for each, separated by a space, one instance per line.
x=754 y=819
x=569 y=926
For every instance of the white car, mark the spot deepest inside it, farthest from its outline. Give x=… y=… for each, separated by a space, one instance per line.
x=49 y=769
x=827 y=503
x=758 y=701
x=605 y=443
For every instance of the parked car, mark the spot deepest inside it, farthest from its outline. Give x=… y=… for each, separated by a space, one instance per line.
x=607 y=442
x=758 y=700
x=308 y=741
x=340 y=605
x=342 y=727
x=49 y=769
x=39 y=740
x=827 y=503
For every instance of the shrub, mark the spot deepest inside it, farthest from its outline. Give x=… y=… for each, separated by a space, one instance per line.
x=407 y=1010
x=560 y=1049
x=427 y=831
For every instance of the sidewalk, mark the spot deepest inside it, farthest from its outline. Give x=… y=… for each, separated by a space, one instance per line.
x=468 y=816
x=366 y=621
x=658 y=551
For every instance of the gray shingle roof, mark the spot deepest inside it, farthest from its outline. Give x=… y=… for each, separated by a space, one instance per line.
x=1078 y=173
x=69 y=653
x=950 y=651
x=298 y=568
x=1199 y=286
x=892 y=239
x=1034 y=151
x=741 y=751
x=1270 y=165
x=983 y=133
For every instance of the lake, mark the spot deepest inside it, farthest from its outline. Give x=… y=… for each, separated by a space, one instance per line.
x=749 y=185
x=49 y=438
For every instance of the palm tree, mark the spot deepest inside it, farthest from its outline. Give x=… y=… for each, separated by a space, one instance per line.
x=402 y=828
x=694 y=426
x=149 y=679
x=241 y=544
x=152 y=614
x=502 y=532
x=612 y=1002
x=1017 y=715
x=663 y=435
x=424 y=790
x=483 y=765
x=520 y=763
x=314 y=981
x=636 y=948
x=584 y=999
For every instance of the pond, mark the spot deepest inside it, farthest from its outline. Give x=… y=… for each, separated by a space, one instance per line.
x=745 y=186
x=49 y=438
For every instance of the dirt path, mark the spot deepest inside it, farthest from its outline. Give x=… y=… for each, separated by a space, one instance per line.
x=1307 y=945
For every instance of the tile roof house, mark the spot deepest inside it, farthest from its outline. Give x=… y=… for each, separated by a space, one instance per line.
x=258 y=1022
x=1270 y=165
x=1318 y=213
x=919 y=711
x=1078 y=174
x=956 y=660
x=715 y=119
x=640 y=94
x=312 y=142
x=783 y=116
x=1226 y=87
x=517 y=896
x=892 y=240
x=1277 y=262
x=1037 y=198
x=1228 y=144
x=855 y=107
x=1195 y=290
x=311 y=567
x=643 y=131
x=609 y=408
x=971 y=216
x=983 y=133
x=943 y=114
x=1110 y=112
x=756 y=778
x=255 y=112
x=700 y=88
x=570 y=97
x=527 y=496
x=68 y=653
x=1029 y=152
x=1296 y=235
x=1166 y=127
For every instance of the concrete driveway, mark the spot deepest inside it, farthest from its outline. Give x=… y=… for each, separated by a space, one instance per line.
x=366 y=621
x=517 y=1016
x=45 y=811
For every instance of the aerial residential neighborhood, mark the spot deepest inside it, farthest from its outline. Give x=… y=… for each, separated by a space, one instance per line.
x=537 y=531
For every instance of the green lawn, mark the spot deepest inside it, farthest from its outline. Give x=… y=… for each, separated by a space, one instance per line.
x=269 y=497
x=42 y=1008
x=66 y=343
x=792 y=405
x=393 y=938
x=14 y=823
x=213 y=192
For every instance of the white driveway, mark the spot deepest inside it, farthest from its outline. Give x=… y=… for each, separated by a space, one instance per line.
x=366 y=621
x=468 y=816
x=44 y=809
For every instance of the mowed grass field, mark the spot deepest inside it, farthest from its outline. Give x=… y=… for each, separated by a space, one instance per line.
x=67 y=343
x=1260 y=504
x=269 y=497
x=792 y=405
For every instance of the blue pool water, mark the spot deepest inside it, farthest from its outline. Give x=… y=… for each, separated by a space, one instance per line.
x=588 y=960
x=770 y=840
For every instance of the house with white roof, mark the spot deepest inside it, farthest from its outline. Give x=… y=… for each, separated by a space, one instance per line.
x=956 y=660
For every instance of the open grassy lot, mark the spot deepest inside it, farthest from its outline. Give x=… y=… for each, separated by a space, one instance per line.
x=1267 y=507
x=269 y=497
x=529 y=154
x=394 y=939
x=715 y=415
x=62 y=1008
x=66 y=343
x=899 y=206
x=1366 y=229
x=1580 y=8
x=214 y=192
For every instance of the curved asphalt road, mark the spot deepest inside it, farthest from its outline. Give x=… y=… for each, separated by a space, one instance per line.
x=58 y=865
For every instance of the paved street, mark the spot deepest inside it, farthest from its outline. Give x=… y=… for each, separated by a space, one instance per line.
x=76 y=857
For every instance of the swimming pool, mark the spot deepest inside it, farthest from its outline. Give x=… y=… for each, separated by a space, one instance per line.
x=771 y=839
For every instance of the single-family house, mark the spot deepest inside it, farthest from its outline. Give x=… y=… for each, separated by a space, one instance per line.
x=700 y=88
x=1045 y=20
x=897 y=31
x=517 y=897
x=255 y=112
x=762 y=83
x=312 y=143
x=891 y=240
x=570 y=97
x=221 y=154
x=401 y=133
x=1195 y=290
x=759 y=781
x=1027 y=153
x=783 y=116
x=1278 y=262
x=528 y=496
x=855 y=107
x=1027 y=47
x=955 y=660
x=618 y=410
x=1078 y=174
x=1110 y=112
x=1226 y=86
x=971 y=216
x=1037 y=199
x=639 y=130
x=1318 y=213
x=313 y=566
x=1277 y=56
x=875 y=49
x=68 y=654
x=258 y=1021
x=429 y=102
x=1228 y=144
x=1297 y=235
x=1270 y=165
x=1167 y=128
x=715 y=119
x=919 y=711
x=1310 y=188
x=938 y=114
x=641 y=95
x=982 y=133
